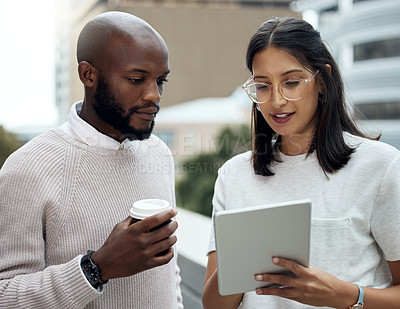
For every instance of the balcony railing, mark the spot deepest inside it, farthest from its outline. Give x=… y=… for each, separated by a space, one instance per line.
x=193 y=235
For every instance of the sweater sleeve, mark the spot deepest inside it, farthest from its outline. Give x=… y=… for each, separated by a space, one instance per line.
x=26 y=281
x=57 y=286
x=178 y=280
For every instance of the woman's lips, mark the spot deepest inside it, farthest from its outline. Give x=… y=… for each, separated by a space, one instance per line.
x=282 y=117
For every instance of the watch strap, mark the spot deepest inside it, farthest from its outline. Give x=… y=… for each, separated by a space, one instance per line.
x=360 y=294
x=360 y=301
x=92 y=271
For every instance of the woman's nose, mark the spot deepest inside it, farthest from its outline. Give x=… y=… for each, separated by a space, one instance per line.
x=277 y=100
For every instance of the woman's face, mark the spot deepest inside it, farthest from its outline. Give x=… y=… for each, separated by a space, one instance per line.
x=295 y=121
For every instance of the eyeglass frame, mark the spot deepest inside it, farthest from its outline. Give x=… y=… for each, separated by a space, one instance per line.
x=251 y=80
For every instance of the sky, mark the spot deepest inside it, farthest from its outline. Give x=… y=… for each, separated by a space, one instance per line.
x=27 y=70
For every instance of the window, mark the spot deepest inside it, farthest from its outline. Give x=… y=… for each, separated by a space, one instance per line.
x=330 y=9
x=166 y=136
x=378 y=49
x=380 y=110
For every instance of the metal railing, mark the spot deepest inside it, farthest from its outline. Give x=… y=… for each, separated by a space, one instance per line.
x=193 y=235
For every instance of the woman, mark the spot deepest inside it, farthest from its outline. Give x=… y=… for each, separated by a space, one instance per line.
x=319 y=154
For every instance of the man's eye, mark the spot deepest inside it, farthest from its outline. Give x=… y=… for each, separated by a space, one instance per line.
x=136 y=80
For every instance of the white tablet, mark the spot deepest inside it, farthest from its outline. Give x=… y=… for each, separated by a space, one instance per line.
x=247 y=239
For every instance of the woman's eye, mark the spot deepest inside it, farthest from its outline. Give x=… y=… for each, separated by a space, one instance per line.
x=292 y=83
x=262 y=87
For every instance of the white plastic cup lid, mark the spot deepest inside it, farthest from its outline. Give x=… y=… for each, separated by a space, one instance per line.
x=145 y=208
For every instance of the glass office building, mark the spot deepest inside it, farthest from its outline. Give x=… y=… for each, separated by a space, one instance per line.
x=364 y=36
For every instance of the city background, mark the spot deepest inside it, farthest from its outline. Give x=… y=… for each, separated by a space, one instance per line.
x=205 y=115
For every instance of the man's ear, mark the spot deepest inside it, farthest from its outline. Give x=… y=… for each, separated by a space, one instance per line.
x=87 y=73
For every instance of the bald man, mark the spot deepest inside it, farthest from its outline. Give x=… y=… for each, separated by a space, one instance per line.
x=67 y=240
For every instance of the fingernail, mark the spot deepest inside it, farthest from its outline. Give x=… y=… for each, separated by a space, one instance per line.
x=275 y=260
x=258 y=277
x=258 y=291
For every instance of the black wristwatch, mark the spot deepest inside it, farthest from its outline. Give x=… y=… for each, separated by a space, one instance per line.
x=92 y=271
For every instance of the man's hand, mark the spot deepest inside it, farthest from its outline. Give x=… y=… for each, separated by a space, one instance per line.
x=132 y=248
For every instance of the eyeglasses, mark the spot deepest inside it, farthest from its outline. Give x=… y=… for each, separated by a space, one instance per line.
x=292 y=89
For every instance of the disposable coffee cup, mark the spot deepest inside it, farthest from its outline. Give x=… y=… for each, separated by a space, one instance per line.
x=145 y=208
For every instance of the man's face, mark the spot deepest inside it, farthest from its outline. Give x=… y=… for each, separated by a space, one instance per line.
x=129 y=87
x=109 y=110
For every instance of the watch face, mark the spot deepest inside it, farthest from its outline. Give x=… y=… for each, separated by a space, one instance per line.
x=91 y=273
x=358 y=307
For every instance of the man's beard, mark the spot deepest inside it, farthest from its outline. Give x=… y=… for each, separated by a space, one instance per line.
x=108 y=110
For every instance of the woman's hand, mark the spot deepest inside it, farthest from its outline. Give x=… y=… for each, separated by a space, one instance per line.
x=311 y=286
x=211 y=297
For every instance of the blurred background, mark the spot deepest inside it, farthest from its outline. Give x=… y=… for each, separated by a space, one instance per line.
x=205 y=115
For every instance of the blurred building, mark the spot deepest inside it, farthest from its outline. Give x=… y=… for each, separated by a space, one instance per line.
x=364 y=36
x=68 y=15
x=207 y=41
x=191 y=128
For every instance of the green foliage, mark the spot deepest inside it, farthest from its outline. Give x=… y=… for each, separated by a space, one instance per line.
x=195 y=188
x=8 y=144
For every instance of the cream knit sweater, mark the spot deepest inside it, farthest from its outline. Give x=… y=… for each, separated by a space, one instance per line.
x=59 y=198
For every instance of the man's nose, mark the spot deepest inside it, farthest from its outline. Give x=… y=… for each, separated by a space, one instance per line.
x=152 y=93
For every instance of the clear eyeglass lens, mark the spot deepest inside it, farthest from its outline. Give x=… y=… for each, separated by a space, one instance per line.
x=291 y=90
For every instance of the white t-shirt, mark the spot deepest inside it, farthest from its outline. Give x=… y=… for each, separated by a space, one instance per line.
x=355 y=213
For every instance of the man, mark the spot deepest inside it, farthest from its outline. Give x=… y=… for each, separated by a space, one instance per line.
x=62 y=193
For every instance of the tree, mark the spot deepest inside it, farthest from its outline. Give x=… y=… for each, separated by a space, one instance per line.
x=8 y=144
x=195 y=189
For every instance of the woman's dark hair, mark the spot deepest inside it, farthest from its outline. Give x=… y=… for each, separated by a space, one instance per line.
x=301 y=40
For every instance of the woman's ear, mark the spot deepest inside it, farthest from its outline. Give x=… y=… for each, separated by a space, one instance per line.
x=87 y=73
x=329 y=68
x=321 y=84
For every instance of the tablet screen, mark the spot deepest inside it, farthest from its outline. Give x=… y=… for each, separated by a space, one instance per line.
x=247 y=239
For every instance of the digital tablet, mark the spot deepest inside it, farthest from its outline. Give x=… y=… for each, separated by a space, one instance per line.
x=247 y=239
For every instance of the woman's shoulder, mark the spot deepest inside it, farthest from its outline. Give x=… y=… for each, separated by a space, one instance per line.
x=240 y=162
x=371 y=147
x=371 y=153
